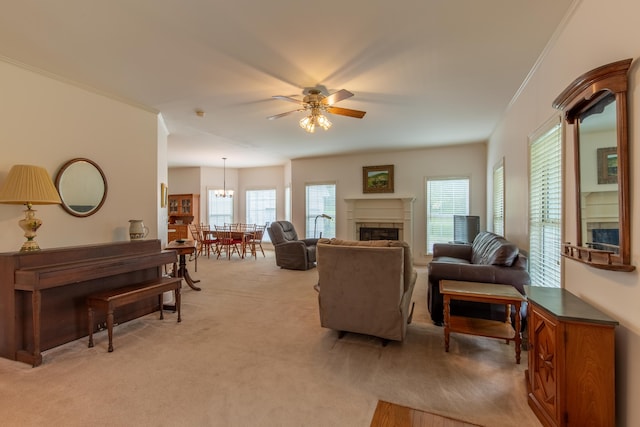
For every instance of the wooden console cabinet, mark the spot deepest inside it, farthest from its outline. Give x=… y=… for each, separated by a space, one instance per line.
x=571 y=375
x=184 y=209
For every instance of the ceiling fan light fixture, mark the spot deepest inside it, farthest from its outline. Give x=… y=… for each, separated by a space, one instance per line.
x=315 y=103
x=314 y=119
x=308 y=123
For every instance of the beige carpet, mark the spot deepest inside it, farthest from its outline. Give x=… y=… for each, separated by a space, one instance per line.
x=250 y=352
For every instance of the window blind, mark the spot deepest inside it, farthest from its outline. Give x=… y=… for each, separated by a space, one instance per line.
x=220 y=209
x=320 y=199
x=545 y=205
x=498 y=198
x=446 y=197
x=261 y=207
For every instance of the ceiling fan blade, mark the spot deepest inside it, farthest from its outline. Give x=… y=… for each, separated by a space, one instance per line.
x=337 y=96
x=277 y=116
x=346 y=112
x=288 y=98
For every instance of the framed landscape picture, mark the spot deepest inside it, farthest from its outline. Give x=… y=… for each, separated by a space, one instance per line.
x=377 y=179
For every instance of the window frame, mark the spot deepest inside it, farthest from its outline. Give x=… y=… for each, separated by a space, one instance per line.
x=313 y=224
x=268 y=219
x=546 y=223
x=442 y=238
x=498 y=217
x=229 y=200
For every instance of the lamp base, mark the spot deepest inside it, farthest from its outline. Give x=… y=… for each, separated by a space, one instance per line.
x=30 y=246
x=30 y=225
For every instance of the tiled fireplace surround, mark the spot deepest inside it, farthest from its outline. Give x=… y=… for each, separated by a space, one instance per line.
x=388 y=212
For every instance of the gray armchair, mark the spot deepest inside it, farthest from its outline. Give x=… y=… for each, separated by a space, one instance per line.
x=291 y=253
x=366 y=287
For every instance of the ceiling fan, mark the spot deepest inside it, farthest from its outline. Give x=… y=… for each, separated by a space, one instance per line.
x=316 y=104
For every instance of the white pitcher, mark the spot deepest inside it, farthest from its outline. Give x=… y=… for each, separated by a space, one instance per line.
x=137 y=230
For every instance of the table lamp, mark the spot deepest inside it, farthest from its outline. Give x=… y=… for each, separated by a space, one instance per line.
x=29 y=185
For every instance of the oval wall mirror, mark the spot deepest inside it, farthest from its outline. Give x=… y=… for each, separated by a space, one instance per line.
x=82 y=187
x=596 y=105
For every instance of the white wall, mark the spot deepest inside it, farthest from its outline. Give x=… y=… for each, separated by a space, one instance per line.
x=411 y=167
x=163 y=177
x=594 y=34
x=46 y=122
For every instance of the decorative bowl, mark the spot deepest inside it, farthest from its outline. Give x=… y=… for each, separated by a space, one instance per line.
x=180 y=241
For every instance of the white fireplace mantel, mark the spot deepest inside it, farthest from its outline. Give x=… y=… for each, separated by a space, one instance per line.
x=381 y=210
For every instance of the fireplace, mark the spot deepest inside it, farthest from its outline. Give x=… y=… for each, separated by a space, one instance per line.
x=379 y=233
x=381 y=213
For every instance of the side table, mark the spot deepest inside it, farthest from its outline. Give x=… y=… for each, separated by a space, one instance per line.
x=488 y=293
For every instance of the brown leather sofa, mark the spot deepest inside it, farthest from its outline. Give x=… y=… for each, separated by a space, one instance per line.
x=365 y=286
x=291 y=253
x=490 y=259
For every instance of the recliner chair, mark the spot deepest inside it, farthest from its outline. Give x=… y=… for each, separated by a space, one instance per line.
x=291 y=253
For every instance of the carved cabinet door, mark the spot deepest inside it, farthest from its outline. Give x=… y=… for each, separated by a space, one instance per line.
x=544 y=366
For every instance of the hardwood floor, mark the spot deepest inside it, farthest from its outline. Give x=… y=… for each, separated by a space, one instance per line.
x=392 y=415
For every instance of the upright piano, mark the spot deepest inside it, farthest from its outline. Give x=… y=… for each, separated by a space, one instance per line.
x=43 y=294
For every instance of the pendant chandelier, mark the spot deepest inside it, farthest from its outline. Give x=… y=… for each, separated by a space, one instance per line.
x=224 y=192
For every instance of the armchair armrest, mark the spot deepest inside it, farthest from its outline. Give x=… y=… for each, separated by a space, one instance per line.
x=452 y=250
x=292 y=254
x=310 y=241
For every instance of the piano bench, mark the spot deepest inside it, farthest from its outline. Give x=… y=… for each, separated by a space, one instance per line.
x=108 y=301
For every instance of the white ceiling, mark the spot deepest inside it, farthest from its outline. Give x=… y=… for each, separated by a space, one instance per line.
x=427 y=72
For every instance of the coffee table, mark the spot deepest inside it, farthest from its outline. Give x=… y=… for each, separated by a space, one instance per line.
x=487 y=293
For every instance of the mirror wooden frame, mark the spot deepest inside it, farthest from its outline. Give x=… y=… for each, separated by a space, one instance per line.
x=64 y=204
x=576 y=99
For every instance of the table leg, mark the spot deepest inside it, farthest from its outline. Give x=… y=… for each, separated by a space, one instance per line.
x=447 y=316
x=178 y=301
x=518 y=338
x=184 y=273
x=110 y=327
x=90 y=315
x=36 y=299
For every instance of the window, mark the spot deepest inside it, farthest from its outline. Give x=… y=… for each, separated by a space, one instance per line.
x=287 y=204
x=261 y=207
x=220 y=209
x=498 y=198
x=545 y=205
x=446 y=197
x=321 y=199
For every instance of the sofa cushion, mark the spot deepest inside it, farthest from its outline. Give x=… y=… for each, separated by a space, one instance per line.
x=490 y=249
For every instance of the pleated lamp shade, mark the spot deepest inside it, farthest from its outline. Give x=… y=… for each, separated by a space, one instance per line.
x=27 y=184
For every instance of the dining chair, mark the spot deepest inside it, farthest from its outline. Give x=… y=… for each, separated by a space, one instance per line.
x=226 y=242
x=209 y=239
x=254 y=241
x=193 y=228
x=245 y=235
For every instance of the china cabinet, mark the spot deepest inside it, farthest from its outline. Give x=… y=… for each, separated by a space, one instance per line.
x=184 y=209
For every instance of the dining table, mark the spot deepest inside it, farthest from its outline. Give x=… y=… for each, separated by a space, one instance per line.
x=184 y=248
x=234 y=235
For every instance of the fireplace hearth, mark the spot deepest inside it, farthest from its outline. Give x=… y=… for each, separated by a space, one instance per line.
x=379 y=233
